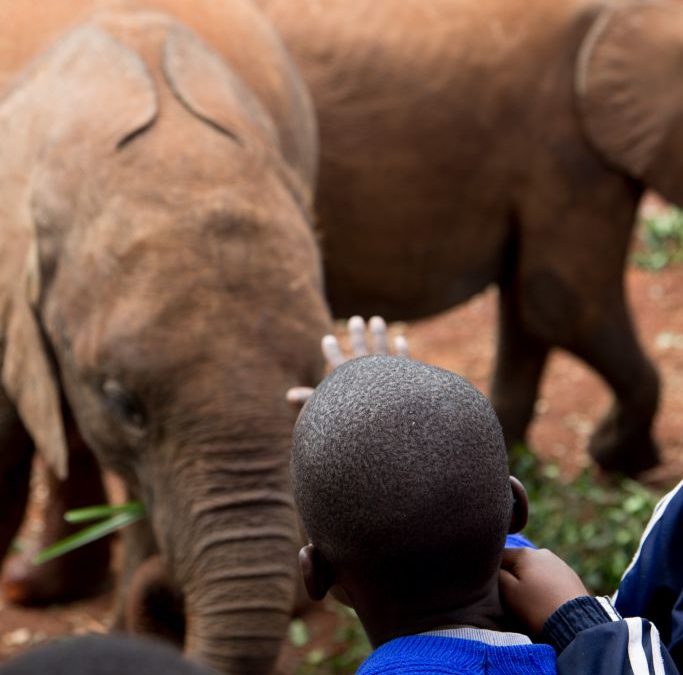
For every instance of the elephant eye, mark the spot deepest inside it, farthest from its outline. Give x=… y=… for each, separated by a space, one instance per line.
x=123 y=404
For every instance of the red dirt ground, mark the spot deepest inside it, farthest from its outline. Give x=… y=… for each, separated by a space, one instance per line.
x=571 y=401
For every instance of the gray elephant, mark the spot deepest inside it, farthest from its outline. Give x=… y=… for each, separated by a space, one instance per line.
x=470 y=142
x=156 y=176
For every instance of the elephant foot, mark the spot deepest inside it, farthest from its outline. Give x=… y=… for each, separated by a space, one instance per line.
x=153 y=606
x=612 y=452
x=79 y=574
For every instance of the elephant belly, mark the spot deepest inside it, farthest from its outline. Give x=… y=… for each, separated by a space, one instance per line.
x=419 y=163
x=405 y=263
x=409 y=239
x=408 y=298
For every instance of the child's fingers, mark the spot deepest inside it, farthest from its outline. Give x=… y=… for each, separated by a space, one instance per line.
x=507 y=583
x=332 y=351
x=359 y=345
x=297 y=396
x=401 y=346
x=358 y=331
x=509 y=574
x=512 y=558
x=380 y=339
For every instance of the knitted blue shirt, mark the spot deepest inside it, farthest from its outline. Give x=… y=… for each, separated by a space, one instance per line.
x=435 y=654
x=584 y=636
x=464 y=650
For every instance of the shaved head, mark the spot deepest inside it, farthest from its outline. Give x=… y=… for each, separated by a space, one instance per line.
x=400 y=471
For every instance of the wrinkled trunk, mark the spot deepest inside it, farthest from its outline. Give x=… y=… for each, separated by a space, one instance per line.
x=230 y=543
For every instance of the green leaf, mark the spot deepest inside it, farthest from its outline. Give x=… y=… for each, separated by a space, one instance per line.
x=298 y=633
x=103 y=511
x=593 y=524
x=661 y=239
x=86 y=536
x=315 y=657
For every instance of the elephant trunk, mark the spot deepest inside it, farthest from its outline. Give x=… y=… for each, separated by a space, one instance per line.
x=233 y=555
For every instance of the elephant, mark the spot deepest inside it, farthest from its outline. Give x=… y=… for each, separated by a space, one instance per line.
x=160 y=291
x=474 y=142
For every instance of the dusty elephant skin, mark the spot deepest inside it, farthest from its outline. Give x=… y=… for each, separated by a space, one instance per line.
x=160 y=290
x=469 y=142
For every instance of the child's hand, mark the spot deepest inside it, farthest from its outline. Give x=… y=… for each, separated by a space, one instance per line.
x=334 y=356
x=534 y=583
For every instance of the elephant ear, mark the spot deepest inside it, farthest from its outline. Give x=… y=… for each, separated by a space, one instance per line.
x=203 y=82
x=209 y=89
x=30 y=382
x=629 y=85
x=87 y=87
x=88 y=94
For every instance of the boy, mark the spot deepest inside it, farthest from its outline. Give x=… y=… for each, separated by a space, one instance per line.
x=400 y=475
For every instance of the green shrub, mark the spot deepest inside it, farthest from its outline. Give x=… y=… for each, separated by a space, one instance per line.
x=595 y=525
x=660 y=239
x=349 y=648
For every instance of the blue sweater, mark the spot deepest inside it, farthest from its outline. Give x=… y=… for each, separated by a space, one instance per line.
x=585 y=636
x=434 y=654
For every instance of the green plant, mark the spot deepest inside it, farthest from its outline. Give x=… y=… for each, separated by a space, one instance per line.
x=347 y=651
x=110 y=518
x=660 y=239
x=595 y=525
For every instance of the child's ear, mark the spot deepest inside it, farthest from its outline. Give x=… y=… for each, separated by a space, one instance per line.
x=317 y=572
x=520 y=506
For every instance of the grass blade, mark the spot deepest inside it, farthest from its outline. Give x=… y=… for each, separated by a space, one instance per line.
x=86 y=536
x=103 y=511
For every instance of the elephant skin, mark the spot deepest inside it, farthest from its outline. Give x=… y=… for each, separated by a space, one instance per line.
x=474 y=142
x=160 y=291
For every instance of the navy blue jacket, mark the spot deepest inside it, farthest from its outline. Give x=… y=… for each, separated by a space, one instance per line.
x=653 y=584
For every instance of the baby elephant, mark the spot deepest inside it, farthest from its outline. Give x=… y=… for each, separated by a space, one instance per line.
x=160 y=291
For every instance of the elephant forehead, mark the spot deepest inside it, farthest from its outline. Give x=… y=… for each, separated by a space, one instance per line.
x=190 y=281
x=224 y=233
x=182 y=268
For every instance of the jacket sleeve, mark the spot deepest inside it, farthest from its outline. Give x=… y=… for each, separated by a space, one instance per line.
x=652 y=586
x=590 y=637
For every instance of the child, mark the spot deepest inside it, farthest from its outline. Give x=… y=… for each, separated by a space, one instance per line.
x=103 y=655
x=400 y=475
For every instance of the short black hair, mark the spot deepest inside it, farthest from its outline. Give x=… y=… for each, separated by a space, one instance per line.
x=102 y=655
x=399 y=469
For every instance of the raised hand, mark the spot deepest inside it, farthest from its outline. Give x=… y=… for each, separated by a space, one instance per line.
x=534 y=584
x=358 y=340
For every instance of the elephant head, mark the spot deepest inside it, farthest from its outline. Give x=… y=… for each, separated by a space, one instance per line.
x=166 y=288
x=631 y=106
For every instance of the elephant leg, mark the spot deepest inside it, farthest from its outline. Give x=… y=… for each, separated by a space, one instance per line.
x=520 y=359
x=574 y=228
x=623 y=440
x=82 y=572
x=16 y=459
